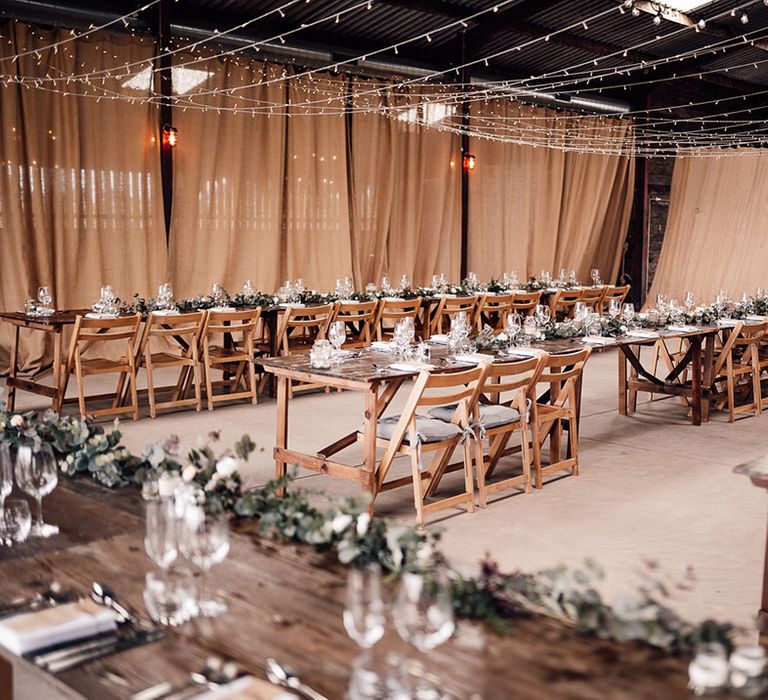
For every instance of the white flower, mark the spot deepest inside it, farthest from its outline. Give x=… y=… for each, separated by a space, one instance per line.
x=227 y=466
x=17 y=421
x=211 y=485
x=167 y=484
x=189 y=473
x=341 y=522
x=502 y=337
x=363 y=520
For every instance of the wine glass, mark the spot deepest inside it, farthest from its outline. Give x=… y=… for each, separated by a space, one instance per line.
x=6 y=476
x=580 y=311
x=423 y=609
x=514 y=324
x=690 y=300
x=542 y=314
x=385 y=285
x=337 y=334
x=364 y=610
x=628 y=313
x=204 y=540
x=614 y=308
x=595 y=275
x=160 y=541
x=45 y=298
x=37 y=475
x=17 y=521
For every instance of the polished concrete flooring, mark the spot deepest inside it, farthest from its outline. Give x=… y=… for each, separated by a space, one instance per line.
x=652 y=488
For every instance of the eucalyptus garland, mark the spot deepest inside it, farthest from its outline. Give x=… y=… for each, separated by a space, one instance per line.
x=347 y=530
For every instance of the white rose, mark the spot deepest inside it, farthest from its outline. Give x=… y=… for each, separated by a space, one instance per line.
x=167 y=484
x=227 y=466
x=363 y=520
x=211 y=485
x=17 y=421
x=341 y=522
x=502 y=337
x=189 y=473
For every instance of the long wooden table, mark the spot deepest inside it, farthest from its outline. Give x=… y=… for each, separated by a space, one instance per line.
x=286 y=602
x=368 y=373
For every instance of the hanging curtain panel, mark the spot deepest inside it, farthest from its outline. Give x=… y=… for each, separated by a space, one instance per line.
x=717 y=228
x=535 y=206
x=317 y=231
x=80 y=201
x=229 y=175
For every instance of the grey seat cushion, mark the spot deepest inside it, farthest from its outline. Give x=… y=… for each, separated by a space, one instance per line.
x=491 y=415
x=428 y=429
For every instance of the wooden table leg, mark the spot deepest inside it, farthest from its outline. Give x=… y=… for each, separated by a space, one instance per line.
x=695 y=380
x=281 y=439
x=13 y=369
x=58 y=399
x=622 y=382
x=709 y=360
x=369 y=445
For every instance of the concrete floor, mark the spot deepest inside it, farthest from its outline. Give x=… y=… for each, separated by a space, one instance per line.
x=652 y=487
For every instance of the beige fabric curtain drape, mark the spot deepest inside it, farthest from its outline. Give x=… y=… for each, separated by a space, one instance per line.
x=80 y=202
x=405 y=190
x=717 y=228
x=536 y=208
x=229 y=179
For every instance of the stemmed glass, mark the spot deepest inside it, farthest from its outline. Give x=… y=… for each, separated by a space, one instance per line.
x=690 y=301
x=204 y=540
x=628 y=313
x=403 y=334
x=614 y=308
x=6 y=476
x=160 y=539
x=337 y=334
x=37 y=475
x=513 y=325
x=542 y=314
x=45 y=298
x=364 y=610
x=595 y=274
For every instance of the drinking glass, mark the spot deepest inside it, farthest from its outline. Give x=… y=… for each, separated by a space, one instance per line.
x=628 y=313
x=595 y=275
x=572 y=279
x=160 y=540
x=542 y=314
x=690 y=300
x=204 y=540
x=37 y=475
x=370 y=289
x=530 y=327
x=513 y=324
x=614 y=308
x=423 y=610
x=45 y=298
x=17 y=520
x=6 y=476
x=580 y=311
x=337 y=334
x=405 y=282
x=217 y=294
x=364 y=610
x=435 y=281
x=171 y=597
x=385 y=285
x=594 y=326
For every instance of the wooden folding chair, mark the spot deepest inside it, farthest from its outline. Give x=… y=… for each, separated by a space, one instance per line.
x=593 y=298
x=232 y=355
x=525 y=303
x=560 y=373
x=392 y=311
x=496 y=418
x=96 y=332
x=563 y=303
x=492 y=310
x=737 y=369
x=358 y=317
x=411 y=434
x=185 y=330
x=447 y=308
x=613 y=292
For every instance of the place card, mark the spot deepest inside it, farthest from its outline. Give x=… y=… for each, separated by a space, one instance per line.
x=29 y=632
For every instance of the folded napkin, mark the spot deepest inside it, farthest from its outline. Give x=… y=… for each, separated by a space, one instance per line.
x=382 y=345
x=29 y=632
x=598 y=340
x=727 y=322
x=293 y=305
x=473 y=358
x=526 y=352
x=94 y=314
x=247 y=688
x=392 y=299
x=682 y=328
x=166 y=312
x=756 y=317
x=220 y=309
x=439 y=338
x=551 y=290
x=411 y=366
x=450 y=296
x=642 y=333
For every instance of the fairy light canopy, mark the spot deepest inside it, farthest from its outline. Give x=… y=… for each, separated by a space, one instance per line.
x=691 y=75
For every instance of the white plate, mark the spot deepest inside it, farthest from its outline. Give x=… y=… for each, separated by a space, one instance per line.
x=166 y=312
x=93 y=314
x=222 y=309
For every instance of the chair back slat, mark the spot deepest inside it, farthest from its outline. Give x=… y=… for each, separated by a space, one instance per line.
x=358 y=318
x=504 y=377
x=450 y=387
x=448 y=307
x=525 y=303
x=593 y=297
x=390 y=311
x=563 y=303
x=614 y=292
x=303 y=325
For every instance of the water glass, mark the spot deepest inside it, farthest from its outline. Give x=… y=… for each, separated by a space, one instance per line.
x=614 y=308
x=171 y=597
x=370 y=289
x=572 y=279
x=37 y=475
x=542 y=314
x=17 y=521
x=580 y=311
x=423 y=609
x=6 y=475
x=530 y=327
x=513 y=324
x=595 y=275
x=405 y=283
x=690 y=300
x=45 y=298
x=204 y=540
x=364 y=610
x=628 y=313
x=248 y=290
x=385 y=285
x=160 y=539
x=321 y=354
x=379 y=678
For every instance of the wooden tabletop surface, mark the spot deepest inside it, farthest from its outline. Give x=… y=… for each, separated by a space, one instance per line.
x=286 y=602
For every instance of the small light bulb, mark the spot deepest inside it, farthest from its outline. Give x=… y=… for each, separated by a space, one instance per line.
x=657 y=20
x=744 y=18
x=635 y=12
x=701 y=24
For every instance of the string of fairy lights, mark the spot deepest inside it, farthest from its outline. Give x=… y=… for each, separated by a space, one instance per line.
x=497 y=110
